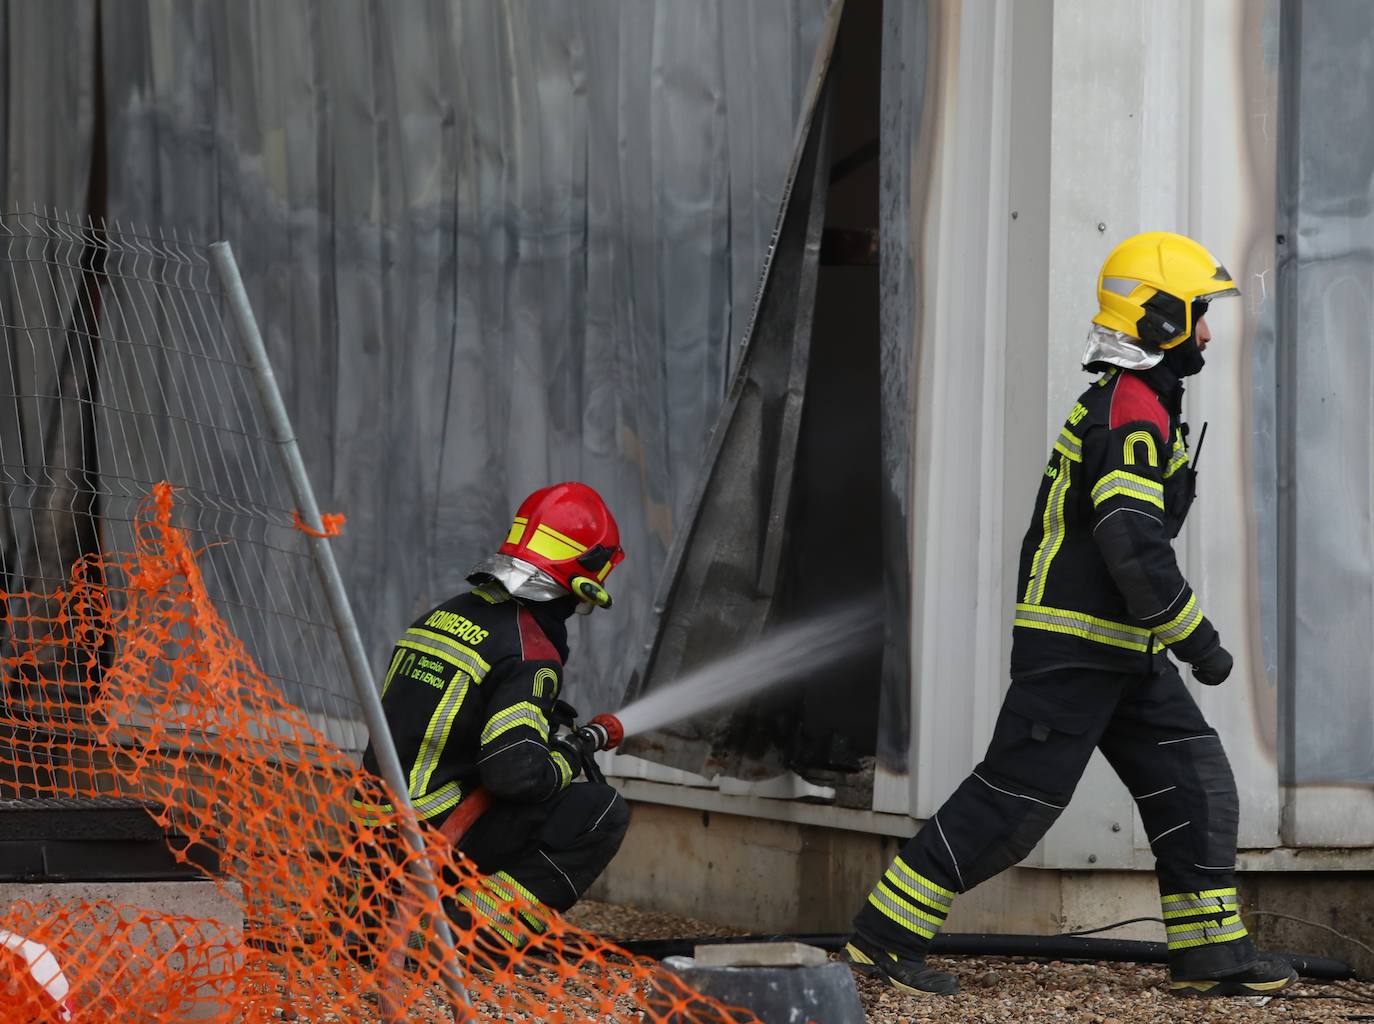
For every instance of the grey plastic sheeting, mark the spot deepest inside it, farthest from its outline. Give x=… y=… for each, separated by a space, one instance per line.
x=491 y=245
x=1324 y=521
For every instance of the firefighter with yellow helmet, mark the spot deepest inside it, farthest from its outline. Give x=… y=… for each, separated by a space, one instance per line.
x=1100 y=605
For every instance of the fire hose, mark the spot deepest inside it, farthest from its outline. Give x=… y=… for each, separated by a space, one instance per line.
x=1040 y=947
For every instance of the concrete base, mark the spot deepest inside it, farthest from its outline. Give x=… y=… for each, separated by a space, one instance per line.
x=1343 y=901
x=782 y=877
x=208 y=947
x=779 y=995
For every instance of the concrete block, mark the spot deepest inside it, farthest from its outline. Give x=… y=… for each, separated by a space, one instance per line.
x=759 y=954
x=201 y=954
x=1326 y=913
x=779 y=995
x=774 y=877
x=744 y=872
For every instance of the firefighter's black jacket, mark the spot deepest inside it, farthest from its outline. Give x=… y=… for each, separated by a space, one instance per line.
x=1099 y=585
x=469 y=695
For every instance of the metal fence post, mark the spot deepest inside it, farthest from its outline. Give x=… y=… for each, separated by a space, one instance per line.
x=364 y=685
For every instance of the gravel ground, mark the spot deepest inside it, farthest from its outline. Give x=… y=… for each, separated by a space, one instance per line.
x=997 y=990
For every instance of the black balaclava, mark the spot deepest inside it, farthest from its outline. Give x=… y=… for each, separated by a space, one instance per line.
x=1162 y=321
x=1186 y=359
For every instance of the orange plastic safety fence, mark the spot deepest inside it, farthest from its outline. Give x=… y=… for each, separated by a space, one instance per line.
x=331 y=523
x=335 y=927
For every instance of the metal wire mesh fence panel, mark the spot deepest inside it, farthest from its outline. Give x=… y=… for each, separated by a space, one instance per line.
x=122 y=373
x=164 y=641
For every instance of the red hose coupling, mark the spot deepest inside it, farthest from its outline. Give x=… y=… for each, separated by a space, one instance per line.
x=615 y=732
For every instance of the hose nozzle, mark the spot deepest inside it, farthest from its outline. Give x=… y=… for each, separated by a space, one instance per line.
x=604 y=732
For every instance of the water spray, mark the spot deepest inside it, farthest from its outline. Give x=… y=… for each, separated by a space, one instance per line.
x=774 y=659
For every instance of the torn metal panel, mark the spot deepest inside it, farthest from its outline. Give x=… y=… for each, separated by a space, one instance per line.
x=719 y=588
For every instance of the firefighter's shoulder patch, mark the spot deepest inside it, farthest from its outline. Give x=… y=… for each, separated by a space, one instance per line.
x=534 y=643
x=1134 y=401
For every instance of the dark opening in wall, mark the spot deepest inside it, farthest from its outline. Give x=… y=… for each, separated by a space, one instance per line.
x=792 y=522
x=826 y=725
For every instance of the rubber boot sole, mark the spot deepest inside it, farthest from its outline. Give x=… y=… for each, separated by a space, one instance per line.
x=864 y=964
x=1224 y=988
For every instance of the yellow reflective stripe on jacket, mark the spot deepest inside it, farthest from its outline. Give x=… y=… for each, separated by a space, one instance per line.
x=371 y=814
x=1178 y=458
x=1053 y=531
x=1181 y=626
x=1202 y=933
x=565 y=772
x=1089 y=627
x=1069 y=445
x=1118 y=481
x=455 y=653
x=396 y=658
x=431 y=804
x=513 y=717
x=428 y=806
x=1133 y=440
x=545 y=675
x=437 y=733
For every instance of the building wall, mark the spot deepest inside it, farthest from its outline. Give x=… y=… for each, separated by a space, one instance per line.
x=1042 y=133
x=1061 y=129
x=780 y=877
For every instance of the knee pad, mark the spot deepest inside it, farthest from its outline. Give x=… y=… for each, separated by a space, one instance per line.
x=1221 y=805
x=1013 y=846
x=1204 y=796
x=582 y=810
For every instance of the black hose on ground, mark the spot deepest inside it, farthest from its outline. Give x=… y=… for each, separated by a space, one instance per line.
x=1035 y=947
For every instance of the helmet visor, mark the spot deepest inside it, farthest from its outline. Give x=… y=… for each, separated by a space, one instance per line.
x=600 y=560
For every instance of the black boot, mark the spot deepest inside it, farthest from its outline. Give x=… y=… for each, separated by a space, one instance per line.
x=1263 y=976
x=908 y=975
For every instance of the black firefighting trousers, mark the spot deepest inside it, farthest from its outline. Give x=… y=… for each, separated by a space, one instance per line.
x=555 y=849
x=1154 y=736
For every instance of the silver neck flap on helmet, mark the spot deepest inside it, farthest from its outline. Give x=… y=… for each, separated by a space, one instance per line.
x=520 y=578
x=1117 y=349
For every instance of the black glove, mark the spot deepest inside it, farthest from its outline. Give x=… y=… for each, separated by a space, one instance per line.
x=570 y=749
x=563 y=714
x=1213 y=667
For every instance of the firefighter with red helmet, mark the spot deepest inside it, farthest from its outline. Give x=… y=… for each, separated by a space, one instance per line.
x=473 y=698
x=1100 y=600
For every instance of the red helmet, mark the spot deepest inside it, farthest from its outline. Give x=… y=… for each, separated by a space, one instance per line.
x=567 y=531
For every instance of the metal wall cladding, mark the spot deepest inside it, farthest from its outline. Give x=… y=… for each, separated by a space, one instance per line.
x=1325 y=389
x=491 y=245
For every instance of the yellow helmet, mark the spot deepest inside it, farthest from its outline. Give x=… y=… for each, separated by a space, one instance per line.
x=1155 y=286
